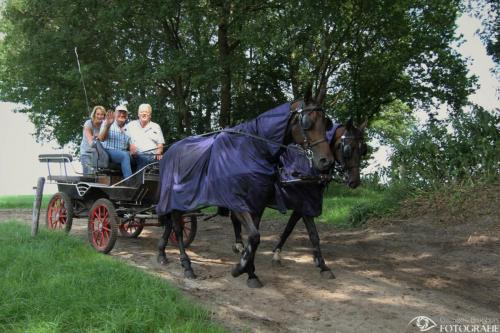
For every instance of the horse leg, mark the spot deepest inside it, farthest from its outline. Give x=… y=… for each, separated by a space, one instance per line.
x=238 y=246
x=318 y=258
x=292 y=221
x=166 y=221
x=246 y=264
x=184 y=258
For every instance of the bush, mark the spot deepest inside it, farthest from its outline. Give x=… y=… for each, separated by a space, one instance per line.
x=461 y=149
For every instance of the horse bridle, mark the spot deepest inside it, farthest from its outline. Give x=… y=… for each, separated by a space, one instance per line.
x=346 y=151
x=301 y=111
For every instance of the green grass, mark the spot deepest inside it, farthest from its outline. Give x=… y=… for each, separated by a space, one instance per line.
x=347 y=207
x=342 y=206
x=21 y=201
x=54 y=283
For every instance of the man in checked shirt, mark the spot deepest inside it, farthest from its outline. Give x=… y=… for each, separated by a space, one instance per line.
x=115 y=139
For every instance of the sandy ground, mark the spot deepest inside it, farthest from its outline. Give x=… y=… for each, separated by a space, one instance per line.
x=434 y=261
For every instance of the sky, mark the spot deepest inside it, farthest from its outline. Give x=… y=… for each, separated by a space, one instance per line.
x=20 y=169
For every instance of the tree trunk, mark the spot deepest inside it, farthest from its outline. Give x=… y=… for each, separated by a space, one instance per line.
x=183 y=116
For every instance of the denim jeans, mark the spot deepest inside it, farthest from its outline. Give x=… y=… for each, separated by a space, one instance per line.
x=87 y=166
x=143 y=159
x=121 y=157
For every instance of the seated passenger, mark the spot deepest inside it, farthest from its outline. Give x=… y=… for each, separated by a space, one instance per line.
x=115 y=140
x=91 y=129
x=146 y=138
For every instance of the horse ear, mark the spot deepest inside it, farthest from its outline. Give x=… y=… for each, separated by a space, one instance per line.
x=308 y=95
x=363 y=125
x=349 y=124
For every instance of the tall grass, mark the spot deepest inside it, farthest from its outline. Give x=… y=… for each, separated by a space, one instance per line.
x=54 y=283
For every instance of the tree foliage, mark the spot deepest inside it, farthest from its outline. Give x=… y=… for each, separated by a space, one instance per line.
x=488 y=11
x=204 y=64
x=463 y=148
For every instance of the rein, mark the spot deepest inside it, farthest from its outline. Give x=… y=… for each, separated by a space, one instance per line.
x=253 y=136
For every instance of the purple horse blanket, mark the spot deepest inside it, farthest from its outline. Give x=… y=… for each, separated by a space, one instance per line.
x=306 y=198
x=225 y=169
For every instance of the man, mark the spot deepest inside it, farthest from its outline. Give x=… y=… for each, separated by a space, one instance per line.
x=115 y=140
x=146 y=138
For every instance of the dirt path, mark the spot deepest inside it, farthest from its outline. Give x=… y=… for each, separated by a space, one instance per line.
x=387 y=274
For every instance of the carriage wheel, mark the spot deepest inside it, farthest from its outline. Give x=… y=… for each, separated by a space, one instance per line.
x=103 y=225
x=189 y=224
x=132 y=228
x=60 y=212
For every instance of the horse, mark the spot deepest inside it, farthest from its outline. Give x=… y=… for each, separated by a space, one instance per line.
x=348 y=147
x=236 y=169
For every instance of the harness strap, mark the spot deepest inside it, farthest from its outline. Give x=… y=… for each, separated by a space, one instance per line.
x=260 y=138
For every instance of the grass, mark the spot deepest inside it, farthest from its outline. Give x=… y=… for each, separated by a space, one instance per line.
x=342 y=206
x=54 y=283
x=21 y=201
x=347 y=207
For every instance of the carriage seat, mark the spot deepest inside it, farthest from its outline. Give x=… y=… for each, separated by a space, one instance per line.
x=101 y=161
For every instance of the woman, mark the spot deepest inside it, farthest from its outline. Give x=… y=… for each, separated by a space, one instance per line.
x=91 y=130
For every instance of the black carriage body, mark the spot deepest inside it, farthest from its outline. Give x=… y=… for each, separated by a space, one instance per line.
x=135 y=193
x=112 y=205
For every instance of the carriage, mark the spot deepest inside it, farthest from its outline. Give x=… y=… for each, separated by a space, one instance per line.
x=113 y=206
x=234 y=169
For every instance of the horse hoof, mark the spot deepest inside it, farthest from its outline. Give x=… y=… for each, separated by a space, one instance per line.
x=236 y=271
x=327 y=274
x=238 y=248
x=189 y=274
x=254 y=283
x=276 y=263
x=162 y=260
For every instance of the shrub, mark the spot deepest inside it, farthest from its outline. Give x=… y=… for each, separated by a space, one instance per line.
x=461 y=149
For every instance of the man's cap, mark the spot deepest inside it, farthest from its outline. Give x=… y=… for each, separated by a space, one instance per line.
x=121 y=108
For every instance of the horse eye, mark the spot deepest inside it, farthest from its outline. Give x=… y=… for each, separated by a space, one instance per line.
x=347 y=151
x=328 y=124
x=306 y=122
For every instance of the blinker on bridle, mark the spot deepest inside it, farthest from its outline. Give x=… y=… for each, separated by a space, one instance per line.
x=346 y=149
x=305 y=125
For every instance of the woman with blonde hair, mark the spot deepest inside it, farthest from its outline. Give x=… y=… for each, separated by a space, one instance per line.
x=91 y=129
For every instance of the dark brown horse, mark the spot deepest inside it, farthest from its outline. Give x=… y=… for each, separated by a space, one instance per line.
x=348 y=147
x=306 y=126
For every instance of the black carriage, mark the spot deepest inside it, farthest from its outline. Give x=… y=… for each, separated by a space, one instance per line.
x=113 y=205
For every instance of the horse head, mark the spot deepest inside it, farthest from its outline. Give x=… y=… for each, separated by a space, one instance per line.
x=308 y=126
x=348 y=148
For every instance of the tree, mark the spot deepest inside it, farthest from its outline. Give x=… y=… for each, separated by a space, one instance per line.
x=208 y=63
x=488 y=11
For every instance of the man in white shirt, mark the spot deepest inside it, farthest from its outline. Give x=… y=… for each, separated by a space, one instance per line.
x=146 y=138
